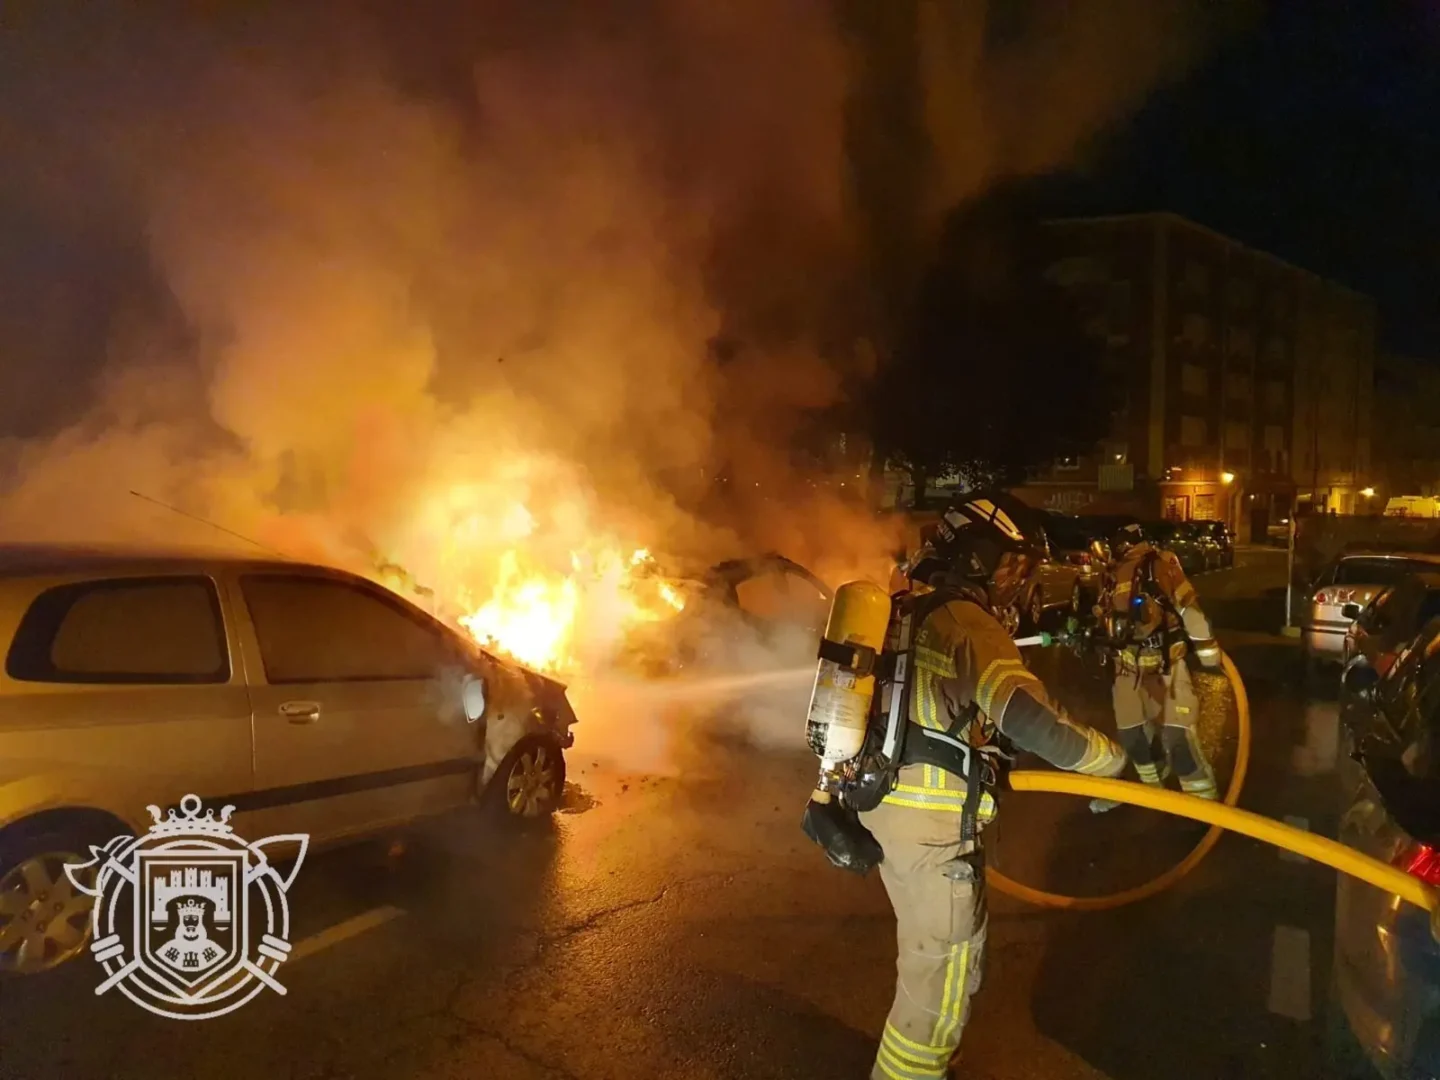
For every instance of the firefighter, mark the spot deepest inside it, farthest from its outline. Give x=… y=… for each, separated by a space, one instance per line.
x=954 y=694
x=1154 y=621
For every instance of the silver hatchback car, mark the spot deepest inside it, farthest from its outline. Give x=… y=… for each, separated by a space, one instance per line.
x=311 y=700
x=1342 y=591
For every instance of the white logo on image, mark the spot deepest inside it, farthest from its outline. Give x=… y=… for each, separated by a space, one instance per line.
x=172 y=918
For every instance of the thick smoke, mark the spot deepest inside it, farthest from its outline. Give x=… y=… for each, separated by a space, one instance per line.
x=354 y=285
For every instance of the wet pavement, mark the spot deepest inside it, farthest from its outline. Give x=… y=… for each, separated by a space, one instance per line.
x=681 y=926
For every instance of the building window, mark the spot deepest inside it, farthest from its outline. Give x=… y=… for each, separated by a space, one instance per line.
x=1194 y=380
x=1192 y=431
x=1205 y=507
x=1237 y=435
x=1241 y=342
x=1274 y=438
x=1237 y=386
x=1177 y=507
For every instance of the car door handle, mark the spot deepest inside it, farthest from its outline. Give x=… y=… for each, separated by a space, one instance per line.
x=301 y=712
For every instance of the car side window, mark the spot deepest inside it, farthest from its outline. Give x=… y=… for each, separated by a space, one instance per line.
x=123 y=630
x=315 y=629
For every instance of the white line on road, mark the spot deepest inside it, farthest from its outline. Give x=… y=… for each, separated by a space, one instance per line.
x=1299 y=823
x=342 y=931
x=1290 y=973
x=1322 y=740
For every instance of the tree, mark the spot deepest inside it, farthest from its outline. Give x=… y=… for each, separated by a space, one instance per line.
x=994 y=373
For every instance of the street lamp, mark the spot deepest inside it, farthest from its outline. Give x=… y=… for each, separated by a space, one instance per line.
x=1227 y=477
x=1369 y=493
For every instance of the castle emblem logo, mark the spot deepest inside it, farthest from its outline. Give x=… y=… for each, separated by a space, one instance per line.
x=190 y=920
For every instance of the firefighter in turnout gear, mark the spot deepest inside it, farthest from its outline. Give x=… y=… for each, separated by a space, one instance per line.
x=955 y=694
x=1154 y=621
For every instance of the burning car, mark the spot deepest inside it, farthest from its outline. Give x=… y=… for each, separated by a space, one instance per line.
x=738 y=614
x=309 y=699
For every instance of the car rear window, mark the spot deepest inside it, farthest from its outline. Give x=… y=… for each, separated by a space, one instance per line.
x=123 y=630
x=1377 y=571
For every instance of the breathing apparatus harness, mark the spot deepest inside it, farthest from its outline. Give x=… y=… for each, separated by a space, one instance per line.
x=893 y=740
x=1148 y=604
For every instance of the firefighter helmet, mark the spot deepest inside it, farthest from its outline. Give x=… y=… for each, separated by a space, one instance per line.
x=975 y=542
x=1127 y=537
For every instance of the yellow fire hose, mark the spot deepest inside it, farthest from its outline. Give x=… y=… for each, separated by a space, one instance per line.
x=1219 y=816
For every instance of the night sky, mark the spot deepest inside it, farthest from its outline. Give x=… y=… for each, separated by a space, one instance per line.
x=1315 y=136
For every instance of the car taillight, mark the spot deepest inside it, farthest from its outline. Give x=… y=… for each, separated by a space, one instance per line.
x=1079 y=558
x=1321 y=598
x=1421 y=861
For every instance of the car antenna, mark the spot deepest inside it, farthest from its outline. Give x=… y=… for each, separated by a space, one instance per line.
x=203 y=521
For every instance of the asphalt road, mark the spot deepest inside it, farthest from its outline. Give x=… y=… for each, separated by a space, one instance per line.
x=679 y=925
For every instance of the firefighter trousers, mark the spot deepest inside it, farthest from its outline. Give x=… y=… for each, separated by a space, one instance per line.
x=1151 y=704
x=940 y=924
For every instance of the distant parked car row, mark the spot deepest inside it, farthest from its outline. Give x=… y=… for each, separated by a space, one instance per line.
x=1071 y=568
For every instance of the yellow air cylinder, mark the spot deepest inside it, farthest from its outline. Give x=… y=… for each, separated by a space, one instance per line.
x=840 y=703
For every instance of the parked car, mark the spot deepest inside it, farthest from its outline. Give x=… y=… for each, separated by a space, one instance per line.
x=1385 y=1014
x=1219 y=533
x=1081 y=555
x=311 y=700
x=1343 y=589
x=1184 y=543
x=1389 y=623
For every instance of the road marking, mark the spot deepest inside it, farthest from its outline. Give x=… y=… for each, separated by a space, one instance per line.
x=342 y=931
x=1322 y=740
x=1290 y=973
x=1299 y=823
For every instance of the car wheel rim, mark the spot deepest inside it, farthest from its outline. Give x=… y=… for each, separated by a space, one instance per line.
x=44 y=919
x=530 y=789
x=1037 y=608
x=1010 y=619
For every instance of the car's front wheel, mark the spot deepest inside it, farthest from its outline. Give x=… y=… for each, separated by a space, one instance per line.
x=530 y=780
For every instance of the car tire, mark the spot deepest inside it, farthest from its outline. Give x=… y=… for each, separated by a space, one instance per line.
x=1010 y=619
x=530 y=781
x=1035 y=608
x=44 y=919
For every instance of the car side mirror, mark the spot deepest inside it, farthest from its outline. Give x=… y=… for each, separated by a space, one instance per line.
x=473 y=695
x=1350 y=611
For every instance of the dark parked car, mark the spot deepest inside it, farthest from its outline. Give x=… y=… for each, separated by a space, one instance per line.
x=1220 y=534
x=1195 y=554
x=1388 y=624
x=1385 y=1016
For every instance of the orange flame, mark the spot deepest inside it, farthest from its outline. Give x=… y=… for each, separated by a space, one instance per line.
x=545 y=619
